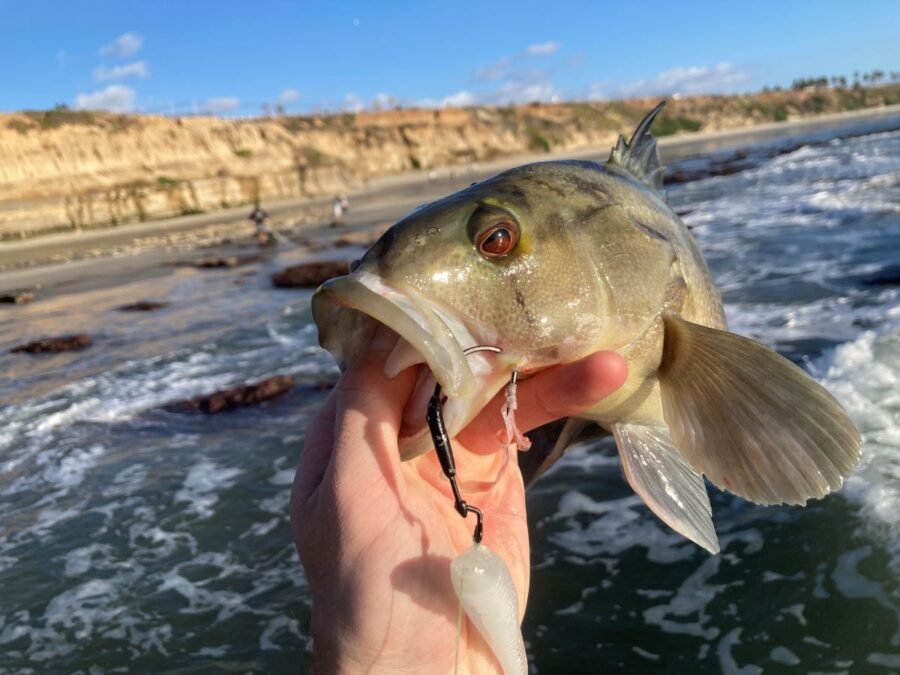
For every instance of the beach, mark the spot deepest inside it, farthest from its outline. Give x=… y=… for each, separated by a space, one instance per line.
x=106 y=256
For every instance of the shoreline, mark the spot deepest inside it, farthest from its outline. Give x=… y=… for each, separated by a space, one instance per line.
x=67 y=260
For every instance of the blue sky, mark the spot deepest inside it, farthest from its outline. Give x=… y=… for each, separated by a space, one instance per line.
x=233 y=57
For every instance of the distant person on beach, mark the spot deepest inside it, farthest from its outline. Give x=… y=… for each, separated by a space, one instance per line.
x=263 y=234
x=339 y=206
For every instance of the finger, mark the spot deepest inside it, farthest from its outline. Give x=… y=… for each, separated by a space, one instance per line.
x=558 y=392
x=368 y=416
x=317 y=449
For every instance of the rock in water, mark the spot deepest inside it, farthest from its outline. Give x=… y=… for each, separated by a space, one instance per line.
x=143 y=306
x=311 y=274
x=225 y=263
x=52 y=345
x=18 y=297
x=238 y=397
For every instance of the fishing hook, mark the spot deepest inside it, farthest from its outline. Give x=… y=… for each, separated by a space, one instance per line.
x=444 y=450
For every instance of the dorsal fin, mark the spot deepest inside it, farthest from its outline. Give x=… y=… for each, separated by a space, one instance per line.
x=639 y=157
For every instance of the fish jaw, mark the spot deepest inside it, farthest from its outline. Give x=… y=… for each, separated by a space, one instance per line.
x=348 y=309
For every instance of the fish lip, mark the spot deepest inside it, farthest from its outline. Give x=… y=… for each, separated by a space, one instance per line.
x=347 y=310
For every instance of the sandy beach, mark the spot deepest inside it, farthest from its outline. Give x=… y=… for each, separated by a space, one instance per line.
x=70 y=262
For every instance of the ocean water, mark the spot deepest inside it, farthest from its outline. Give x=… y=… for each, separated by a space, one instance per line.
x=136 y=539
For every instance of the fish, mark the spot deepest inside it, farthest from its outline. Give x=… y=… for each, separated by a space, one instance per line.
x=556 y=260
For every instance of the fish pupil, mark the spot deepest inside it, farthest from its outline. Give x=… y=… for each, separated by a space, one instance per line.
x=499 y=242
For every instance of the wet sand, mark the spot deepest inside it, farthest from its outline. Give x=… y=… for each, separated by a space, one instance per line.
x=105 y=257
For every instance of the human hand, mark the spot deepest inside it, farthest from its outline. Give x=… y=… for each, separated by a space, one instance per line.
x=376 y=536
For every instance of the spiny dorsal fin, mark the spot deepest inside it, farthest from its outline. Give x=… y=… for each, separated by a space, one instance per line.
x=639 y=157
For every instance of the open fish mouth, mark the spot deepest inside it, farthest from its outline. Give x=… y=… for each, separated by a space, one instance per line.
x=347 y=311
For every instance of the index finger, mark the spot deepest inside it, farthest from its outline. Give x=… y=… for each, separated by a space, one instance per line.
x=368 y=414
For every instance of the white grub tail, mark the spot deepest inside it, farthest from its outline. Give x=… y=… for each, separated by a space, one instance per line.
x=488 y=595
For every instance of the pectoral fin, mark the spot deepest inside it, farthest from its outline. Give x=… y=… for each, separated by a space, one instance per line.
x=548 y=444
x=750 y=420
x=672 y=489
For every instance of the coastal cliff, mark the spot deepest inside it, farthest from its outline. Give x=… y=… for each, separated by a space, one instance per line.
x=63 y=170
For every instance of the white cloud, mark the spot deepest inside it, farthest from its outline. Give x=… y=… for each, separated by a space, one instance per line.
x=544 y=49
x=506 y=94
x=136 y=69
x=524 y=92
x=127 y=44
x=383 y=101
x=693 y=80
x=352 y=103
x=596 y=92
x=510 y=67
x=289 y=96
x=460 y=99
x=115 y=98
x=221 y=104
x=495 y=71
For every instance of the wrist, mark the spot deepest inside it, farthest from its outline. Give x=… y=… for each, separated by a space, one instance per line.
x=329 y=653
x=334 y=654
x=335 y=650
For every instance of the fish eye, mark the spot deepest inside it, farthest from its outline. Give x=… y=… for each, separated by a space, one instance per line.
x=498 y=240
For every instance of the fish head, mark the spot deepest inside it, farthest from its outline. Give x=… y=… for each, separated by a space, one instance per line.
x=539 y=261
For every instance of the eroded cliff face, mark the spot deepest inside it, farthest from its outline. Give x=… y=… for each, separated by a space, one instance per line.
x=68 y=169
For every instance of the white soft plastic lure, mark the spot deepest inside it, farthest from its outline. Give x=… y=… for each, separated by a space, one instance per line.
x=487 y=594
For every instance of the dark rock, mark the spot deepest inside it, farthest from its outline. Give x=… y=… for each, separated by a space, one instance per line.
x=311 y=274
x=64 y=343
x=228 y=262
x=239 y=397
x=143 y=306
x=17 y=297
x=342 y=242
x=689 y=176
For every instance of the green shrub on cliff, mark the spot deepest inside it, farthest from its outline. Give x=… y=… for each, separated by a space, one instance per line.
x=312 y=156
x=59 y=116
x=537 y=140
x=19 y=125
x=666 y=125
